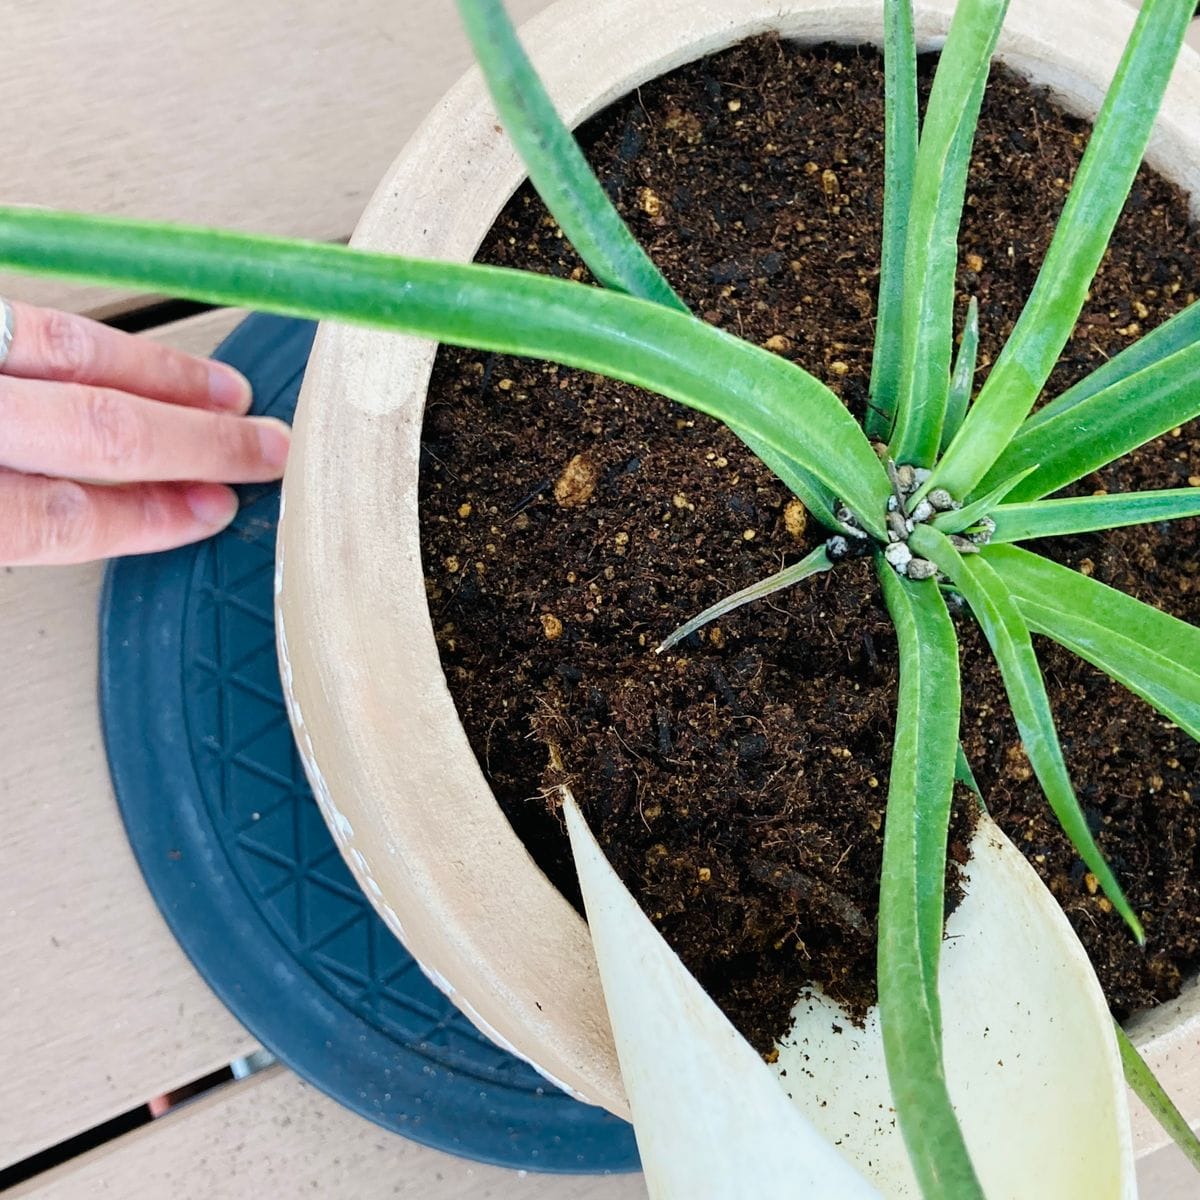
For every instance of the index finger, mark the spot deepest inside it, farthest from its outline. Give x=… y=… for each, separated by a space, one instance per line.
x=65 y=348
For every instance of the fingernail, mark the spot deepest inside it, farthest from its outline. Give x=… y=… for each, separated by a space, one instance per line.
x=274 y=439
x=212 y=504
x=228 y=389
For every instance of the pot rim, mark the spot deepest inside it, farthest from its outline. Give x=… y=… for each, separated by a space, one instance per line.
x=408 y=804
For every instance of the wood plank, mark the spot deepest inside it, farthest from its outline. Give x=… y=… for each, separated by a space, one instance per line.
x=270 y=116
x=279 y=1137
x=200 y=334
x=102 y=1009
x=272 y=1135
x=1167 y=1175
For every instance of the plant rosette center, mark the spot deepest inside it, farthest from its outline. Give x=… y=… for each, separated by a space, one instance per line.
x=909 y=505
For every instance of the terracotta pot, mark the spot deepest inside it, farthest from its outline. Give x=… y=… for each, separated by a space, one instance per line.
x=375 y=722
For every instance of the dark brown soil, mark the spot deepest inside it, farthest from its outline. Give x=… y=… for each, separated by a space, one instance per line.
x=570 y=523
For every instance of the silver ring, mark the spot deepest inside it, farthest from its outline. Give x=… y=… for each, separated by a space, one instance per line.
x=7 y=323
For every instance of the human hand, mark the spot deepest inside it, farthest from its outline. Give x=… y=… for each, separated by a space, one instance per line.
x=112 y=444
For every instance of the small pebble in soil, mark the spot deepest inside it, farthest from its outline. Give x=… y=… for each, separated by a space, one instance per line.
x=795 y=519
x=577 y=482
x=649 y=202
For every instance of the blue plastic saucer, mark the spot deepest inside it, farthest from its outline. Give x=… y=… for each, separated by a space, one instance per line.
x=232 y=845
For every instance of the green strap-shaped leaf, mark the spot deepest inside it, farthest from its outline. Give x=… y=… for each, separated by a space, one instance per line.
x=486 y=308
x=557 y=168
x=1181 y=331
x=1083 y=514
x=912 y=887
x=576 y=199
x=1102 y=428
x=998 y=615
x=1156 y=656
x=1152 y=1094
x=958 y=519
x=1101 y=187
x=900 y=124
x=964 y=775
x=931 y=258
x=811 y=564
x=963 y=381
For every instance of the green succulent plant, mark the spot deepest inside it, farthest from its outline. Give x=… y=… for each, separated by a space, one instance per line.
x=960 y=481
